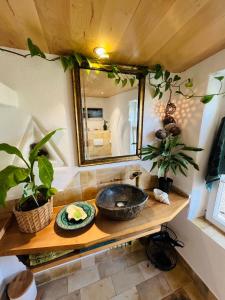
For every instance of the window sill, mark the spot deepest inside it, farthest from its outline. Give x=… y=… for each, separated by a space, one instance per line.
x=210 y=230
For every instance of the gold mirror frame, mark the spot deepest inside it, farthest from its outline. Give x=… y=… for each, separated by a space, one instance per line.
x=79 y=116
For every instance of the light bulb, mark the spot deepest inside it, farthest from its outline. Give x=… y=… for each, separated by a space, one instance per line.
x=101 y=52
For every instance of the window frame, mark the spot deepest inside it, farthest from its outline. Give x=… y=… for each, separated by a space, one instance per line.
x=212 y=212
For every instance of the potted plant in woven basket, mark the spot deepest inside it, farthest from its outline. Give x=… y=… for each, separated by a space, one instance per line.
x=34 y=210
x=168 y=154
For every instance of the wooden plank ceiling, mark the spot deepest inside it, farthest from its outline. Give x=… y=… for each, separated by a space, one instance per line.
x=174 y=33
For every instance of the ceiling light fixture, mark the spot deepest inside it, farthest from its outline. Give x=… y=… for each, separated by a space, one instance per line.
x=101 y=52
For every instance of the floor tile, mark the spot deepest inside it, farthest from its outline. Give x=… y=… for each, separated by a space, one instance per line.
x=82 y=278
x=154 y=288
x=136 y=257
x=147 y=269
x=72 y=296
x=177 y=277
x=119 y=252
x=88 y=261
x=110 y=267
x=193 y=292
x=126 y=279
x=73 y=266
x=179 y=294
x=131 y=294
x=55 y=289
x=101 y=290
x=102 y=256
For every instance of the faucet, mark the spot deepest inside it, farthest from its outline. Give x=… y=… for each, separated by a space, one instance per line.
x=136 y=175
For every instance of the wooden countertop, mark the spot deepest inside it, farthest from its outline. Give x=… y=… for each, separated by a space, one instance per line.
x=52 y=238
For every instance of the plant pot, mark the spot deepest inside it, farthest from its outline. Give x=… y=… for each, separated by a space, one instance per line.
x=165 y=184
x=36 y=219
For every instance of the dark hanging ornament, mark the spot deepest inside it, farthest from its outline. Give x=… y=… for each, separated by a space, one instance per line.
x=168 y=119
x=161 y=134
x=173 y=129
x=170 y=108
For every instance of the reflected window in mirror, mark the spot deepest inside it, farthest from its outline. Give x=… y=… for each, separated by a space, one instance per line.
x=108 y=117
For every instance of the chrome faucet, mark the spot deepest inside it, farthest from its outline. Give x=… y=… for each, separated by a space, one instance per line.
x=136 y=175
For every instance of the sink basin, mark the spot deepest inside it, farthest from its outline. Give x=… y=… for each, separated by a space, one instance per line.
x=121 y=201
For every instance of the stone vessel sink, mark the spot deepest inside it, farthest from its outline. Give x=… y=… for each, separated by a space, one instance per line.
x=121 y=201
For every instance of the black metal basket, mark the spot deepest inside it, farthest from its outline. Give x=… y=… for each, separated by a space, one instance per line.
x=160 y=249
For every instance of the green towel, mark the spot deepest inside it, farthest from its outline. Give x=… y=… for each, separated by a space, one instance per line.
x=40 y=258
x=216 y=164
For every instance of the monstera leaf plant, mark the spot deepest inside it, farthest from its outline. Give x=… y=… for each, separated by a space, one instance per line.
x=34 y=195
x=169 y=155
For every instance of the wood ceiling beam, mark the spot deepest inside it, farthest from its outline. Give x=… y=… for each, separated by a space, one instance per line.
x=54 y=16
x=199 y=38
x=28 y=22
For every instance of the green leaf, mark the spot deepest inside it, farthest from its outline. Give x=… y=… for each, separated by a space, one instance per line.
x=117 y=81
x=182 y=171
x=156 y=92
x=173 y=167
x=179 y=92
x=132 y=81
x=153 y=165
x=167 y=74
x=34 y=152
x=78 y=58
x=167 y=86
x=176 y=78
x=64 y=62
x=160 y=95
x=34 y=50
x=189 y=83
x=89 y=62
x=158 y=71
x=11 y=150
x=67 y=62
x=220 y=78
x=124 y=82
x=45 y=171
x=9 y=177
x=186 y=148
x=207 y=98
x=111 y=75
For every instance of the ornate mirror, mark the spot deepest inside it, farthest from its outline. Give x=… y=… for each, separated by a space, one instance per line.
x=108 y=114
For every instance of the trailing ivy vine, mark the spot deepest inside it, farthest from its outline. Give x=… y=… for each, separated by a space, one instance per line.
x=161 y=80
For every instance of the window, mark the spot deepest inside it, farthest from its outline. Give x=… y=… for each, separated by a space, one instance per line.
x=216 y=206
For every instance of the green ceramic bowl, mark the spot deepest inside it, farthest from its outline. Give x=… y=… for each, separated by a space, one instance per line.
x=63 y=222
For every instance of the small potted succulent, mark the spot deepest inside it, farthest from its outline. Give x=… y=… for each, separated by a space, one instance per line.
x=34 y=210
x=168 y=154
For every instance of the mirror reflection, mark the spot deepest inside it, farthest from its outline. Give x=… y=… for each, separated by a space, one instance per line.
x=110 y=115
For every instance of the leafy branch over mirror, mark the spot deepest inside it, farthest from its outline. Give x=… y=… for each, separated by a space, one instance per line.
x=161 y=80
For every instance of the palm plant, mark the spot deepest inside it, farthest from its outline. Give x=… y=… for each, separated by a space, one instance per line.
x=12 y=175
x=168 y=155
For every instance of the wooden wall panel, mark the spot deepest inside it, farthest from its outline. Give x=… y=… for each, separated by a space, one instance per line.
x=175 y=33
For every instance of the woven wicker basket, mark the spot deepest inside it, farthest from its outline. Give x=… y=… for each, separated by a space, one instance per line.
x=36 y=219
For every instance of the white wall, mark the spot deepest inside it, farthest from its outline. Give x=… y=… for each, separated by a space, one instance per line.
x=119 y=121
x=205 y=256
x=94 y=102
x=46 y=92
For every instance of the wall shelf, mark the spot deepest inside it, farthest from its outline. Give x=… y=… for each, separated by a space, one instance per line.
x=102 y=230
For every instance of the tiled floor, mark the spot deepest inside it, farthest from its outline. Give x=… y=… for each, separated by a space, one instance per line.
x=121 y=274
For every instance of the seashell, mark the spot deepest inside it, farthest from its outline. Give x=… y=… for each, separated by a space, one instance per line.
x=161 y=196
x=75 y=212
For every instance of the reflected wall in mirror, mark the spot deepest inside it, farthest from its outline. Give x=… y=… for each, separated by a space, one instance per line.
x=108 y=116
